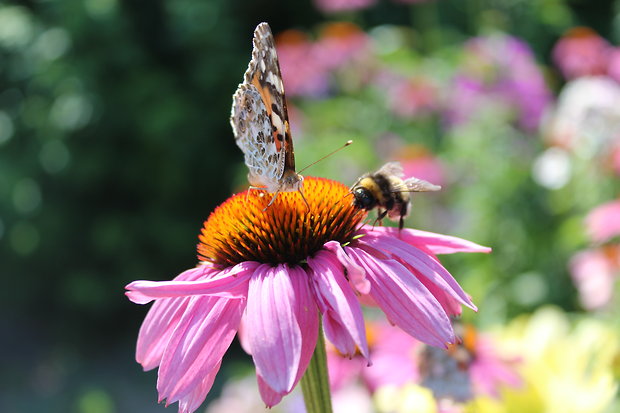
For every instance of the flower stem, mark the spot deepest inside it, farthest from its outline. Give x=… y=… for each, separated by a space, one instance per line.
x=315 y=382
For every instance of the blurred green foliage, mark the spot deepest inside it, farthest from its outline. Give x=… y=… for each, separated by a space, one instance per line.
x=115 y=145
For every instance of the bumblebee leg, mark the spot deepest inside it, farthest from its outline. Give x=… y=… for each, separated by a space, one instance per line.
x=403 y=213
x=380 y=217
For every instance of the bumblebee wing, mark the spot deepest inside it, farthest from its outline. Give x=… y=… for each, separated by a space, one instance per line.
x=415 y=185
x=391 y=168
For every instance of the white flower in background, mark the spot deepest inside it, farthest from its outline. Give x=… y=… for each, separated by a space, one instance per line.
x=586 y=118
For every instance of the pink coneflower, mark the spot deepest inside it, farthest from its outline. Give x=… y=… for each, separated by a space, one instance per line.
x=276 y=270
x=581 y=52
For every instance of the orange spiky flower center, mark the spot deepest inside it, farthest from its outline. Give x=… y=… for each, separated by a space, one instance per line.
x=288 y=231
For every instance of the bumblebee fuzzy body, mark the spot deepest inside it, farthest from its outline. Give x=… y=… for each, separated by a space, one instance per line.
x=387 y=191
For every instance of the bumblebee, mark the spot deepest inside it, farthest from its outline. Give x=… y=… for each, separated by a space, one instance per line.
x=387 y=191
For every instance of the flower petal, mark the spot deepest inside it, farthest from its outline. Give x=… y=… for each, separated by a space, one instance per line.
x=193 y=400
x=405 y=300
x=435 y=243
x=158 y=325
x=273 y=330
x=157 y=328
x=343 y=318
x=420 y=263
x=269 y=396
x=197 y=345
x=355 y=273
x=229 y=283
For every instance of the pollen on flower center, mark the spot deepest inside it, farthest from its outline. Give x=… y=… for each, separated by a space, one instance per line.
x=286 y=232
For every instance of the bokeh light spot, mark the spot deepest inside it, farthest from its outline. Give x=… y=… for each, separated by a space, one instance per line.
x=26 y=196
x=16 y=28
x=529 y=289
x=71 y=111
x=552 y=169
x=100 y=8
x=24 y=238
x=52 y=43
x=6 y=127
x=54 y=156
x=96 y=401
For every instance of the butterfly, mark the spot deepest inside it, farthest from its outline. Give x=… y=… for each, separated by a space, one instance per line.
x=259 y=120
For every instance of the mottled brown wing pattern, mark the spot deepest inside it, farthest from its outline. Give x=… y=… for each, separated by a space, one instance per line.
x=260 y=120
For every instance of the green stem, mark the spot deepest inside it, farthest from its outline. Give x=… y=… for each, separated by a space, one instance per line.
x=315 y=382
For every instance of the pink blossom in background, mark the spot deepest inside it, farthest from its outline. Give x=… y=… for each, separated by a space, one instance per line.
x=581 y=52
x=463 y=371
x=307 y=65
x=498 y=69
x=490 y=372
x=339 y=43
x=412 y=1
x=595 y=273
x=468 y=369
x=615 y=159
x=412 y=97
x=613 y=64
x=303 y=73
x=419 y=162
x=336 y=6
x=603 y=222
x=393 y=355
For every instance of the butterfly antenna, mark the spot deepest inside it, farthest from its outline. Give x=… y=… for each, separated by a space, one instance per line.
x=347 y=143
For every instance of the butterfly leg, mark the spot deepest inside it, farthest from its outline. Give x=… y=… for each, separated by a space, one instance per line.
x=304 y=198
x=272 y=199
x=247 y=194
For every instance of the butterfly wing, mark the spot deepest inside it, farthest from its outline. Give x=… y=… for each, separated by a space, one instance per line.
x=260 y=119
x=252 y=129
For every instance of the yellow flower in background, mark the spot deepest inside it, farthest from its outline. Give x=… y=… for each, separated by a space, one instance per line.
x=411 y=398
x=566 y=366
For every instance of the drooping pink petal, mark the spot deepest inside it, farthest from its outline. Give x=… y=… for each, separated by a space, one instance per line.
x=355 y=273
x=242 y=334
x=342 y=314
x=435 y=243
x=193 y=400
x=424 y=265
x=273 y=330
x=229 y=283
x=159 y=324
x=405 y=300
x=157 y=328
x=198 y=344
